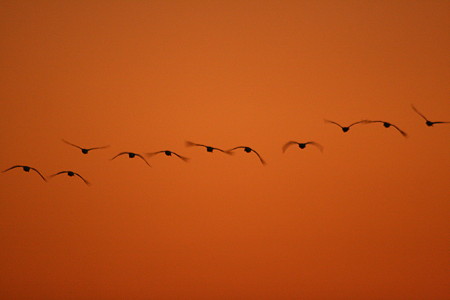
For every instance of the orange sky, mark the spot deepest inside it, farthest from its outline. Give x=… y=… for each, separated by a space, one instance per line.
x=366 y=219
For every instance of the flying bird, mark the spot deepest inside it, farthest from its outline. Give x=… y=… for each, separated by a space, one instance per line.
x=346 y=128
x=302 y=145
x=208 y=148
x=387 y=125
x=132 y=155
x=71 y=174
x=26 y=169
x=168 y=153
x=427 y=122
x=248 y=150
x=84 y=150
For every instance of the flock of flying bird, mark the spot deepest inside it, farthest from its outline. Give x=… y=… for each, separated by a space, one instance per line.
x=301 y=145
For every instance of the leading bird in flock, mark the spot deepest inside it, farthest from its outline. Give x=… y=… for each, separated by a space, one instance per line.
x=132 y=155
x=26 y=169
x=248 y=150
x=428 y=122
x=302 y=145
x=84 y=150
x=71 y=174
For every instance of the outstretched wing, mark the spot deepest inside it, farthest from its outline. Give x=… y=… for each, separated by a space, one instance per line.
x=141 y=157
x=181 y=157
x=418 y=112
x=439 y=122
x=69 y=143
x=359 y=122
x=62 y=172
x=121 y=153
x=189 y=144
x=229 y=151
x=17 y=166
x=85 y=181
x=39 y=173
x=285 y=146
x=95 y=148
x=154 y=153
x=332 y=122
x=316 y=144
x=260 y=158
x=399 y=130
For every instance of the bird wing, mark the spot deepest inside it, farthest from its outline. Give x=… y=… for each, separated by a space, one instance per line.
x=85 y=181
x=440 y=122
x=38 y=173
x=154 y=153
x=141 y=157
x=358 y=122
x=234 y=148
x=399 y=130
x=260 y=158
x=17 y=166
x=316 y=144
x=182 y=157
x=418 y=112
x=95 y=148
x=189 y=143
x=285 y=146
x=332 y=122
x=69 y=143
x=53 y=175
x=121 y=153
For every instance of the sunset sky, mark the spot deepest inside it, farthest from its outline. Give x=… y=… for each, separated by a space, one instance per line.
x=369 y=218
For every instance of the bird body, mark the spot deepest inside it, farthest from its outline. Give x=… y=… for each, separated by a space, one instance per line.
x=387 y=125
x=428 y=122
x=84 y=150
x=71 y=174
x=208 y=148
x=302 y=145
x=248 y=150
x=168 y=153
x=132 y=155
x=345 y=128
x=26 y=169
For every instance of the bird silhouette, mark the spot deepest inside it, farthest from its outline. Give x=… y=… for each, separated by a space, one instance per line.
x=71 y=174
x=84 y=150
x=168 y=153
x=345 y=128
x=387 y=125
x=208 y=148
x=427 y=122
x=248 y=150
x=132 y=155
x=302 y=145
x=26 y=169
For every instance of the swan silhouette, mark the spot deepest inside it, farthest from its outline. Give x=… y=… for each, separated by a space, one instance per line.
x=248 y=150
x=345 y=128
x=208 y=148
x=387 y=125
x=302 y=145
x=132 y=155
x=71 y=174
x=168 y=153
x=26 y=169
x=427 y=122
x=84 y=150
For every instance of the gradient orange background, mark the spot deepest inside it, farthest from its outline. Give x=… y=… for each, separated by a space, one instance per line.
x=367 y=219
